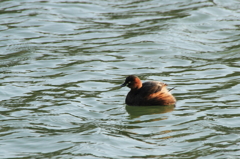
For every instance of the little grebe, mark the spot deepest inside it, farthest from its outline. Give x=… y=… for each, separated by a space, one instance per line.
x=149 y=93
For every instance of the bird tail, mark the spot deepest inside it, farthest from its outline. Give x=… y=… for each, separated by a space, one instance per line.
x=171 y=89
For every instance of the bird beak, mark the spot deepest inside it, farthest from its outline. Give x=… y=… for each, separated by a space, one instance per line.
x=123 y=85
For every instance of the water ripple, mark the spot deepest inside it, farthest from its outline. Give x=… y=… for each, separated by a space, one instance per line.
x=62 y=64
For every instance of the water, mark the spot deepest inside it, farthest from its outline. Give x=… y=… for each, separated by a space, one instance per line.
x=62 y=62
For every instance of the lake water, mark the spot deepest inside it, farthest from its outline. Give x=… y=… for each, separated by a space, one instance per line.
x=62 y=63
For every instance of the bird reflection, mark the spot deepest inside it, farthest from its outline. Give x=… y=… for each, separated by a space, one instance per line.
x=137 y=111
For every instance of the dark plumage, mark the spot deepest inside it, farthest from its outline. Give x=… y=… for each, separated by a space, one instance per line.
x=150 y=93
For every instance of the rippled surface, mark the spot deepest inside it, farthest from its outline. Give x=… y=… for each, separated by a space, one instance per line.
x=62 y=62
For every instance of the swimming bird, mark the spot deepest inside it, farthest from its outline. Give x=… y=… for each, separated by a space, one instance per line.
x=151 y=93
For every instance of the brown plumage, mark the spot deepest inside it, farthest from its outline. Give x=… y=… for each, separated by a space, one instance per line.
x=149 y=93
